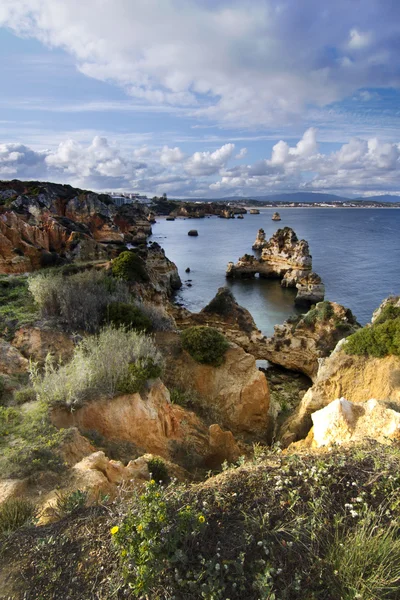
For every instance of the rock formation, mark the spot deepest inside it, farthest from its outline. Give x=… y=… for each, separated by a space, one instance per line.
x=193 y=233
x=38 y=342
x=283 y=257
x=42 y=224
x=260 y=240
x=11 y=360
x=343 y=421
x=276 y=216
x=302 y=341
x=353 y=377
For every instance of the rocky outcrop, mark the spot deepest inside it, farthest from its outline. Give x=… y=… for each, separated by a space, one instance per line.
x=38 y=342
x=148 y=420
x=42 y=224
x=223 y=447
x=283 y=257
x=163 y=273
x=302 y=341
x=11 y=360
x=343 y=421
x=276 y=216
x=260 y=240
x=353 y=377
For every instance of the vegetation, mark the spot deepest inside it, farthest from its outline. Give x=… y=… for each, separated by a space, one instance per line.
x=24 y=394
x=29 y=443
x=79 y=300
x=127 y=315
x=379 y=339
x=130 y=267
x=15 y=513
x=158 y=470
x=68 y=503
x=17 y=307
x=205 y=344
x=114 y=361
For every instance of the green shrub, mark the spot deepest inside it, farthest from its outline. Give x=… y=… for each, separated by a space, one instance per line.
x=69 y=503
x=78 y=300
x=25 y=394
x=389 y=312
x=205 y=344
x=377 y=340
x=15 y=513
x=17 y=307
x=155 y=535
x=116 y=360
x=9 y=419
x=158 y=470
x=127 y=315
x=128 y=266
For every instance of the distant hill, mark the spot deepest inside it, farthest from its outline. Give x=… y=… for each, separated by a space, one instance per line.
x=301 y=197
x=383 y=198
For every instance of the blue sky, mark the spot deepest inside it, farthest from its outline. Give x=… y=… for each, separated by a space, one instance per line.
x=200 y=98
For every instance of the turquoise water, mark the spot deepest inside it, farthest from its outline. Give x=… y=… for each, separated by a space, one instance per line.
x=355 y=251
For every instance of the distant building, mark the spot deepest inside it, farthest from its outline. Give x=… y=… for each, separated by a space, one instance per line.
x=128 y=198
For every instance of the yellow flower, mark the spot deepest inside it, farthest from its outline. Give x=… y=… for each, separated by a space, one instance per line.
x=114 y=530
x=161 y=518
x=123 y=553
x=201 y=519
x=140 y=528
x=158 y=495
x=152 y=482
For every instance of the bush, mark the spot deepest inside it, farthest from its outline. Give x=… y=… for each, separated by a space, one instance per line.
x=389 y=312
x=69 y=503
x=128 y=266
x=79 y=300
x=9 y=419
x=205 y=344
x=127 y=315
x=17 y=307
x=25 y=394
x=15 y=513
x=158 y=470
x=116 y=360
x=377 y=340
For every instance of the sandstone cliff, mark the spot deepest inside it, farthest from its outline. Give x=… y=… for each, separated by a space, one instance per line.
x=42 y=224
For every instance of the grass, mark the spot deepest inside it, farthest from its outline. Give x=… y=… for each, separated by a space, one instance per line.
x=15 y=513
x=17 y=306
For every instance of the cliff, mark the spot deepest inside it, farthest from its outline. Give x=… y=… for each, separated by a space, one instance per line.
x=283 y=257
x=43 y=224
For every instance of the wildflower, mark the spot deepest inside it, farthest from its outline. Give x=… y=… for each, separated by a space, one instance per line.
x=201 y=519
x=139 y=528
x=114 y=530
x=123 y=553
x=152 y=482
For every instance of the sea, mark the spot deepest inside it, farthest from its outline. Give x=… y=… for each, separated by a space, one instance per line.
x=355 y=251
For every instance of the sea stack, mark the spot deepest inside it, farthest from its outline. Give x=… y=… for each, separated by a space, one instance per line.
x=254 y=211
x=193 y=233
x=276 y=216
x=260 y=240
x=283 y=257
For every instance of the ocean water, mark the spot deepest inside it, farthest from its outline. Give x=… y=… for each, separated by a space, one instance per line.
x=355 y=251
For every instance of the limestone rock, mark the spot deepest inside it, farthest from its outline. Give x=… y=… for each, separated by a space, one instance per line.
x=38 y=342
x=11 y=360
x=223 y=446
x=343 y=421
x=300 y=342
x=283 y=257
x=276 y=216
x=352 y=377
x=12 y=488
x=148 y=420
x=75 y=447
x=260 y=240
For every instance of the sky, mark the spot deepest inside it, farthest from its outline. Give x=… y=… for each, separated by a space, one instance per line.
x=202 y=98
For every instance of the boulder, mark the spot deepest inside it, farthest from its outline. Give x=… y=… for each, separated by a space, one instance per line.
x=343 y=421
x=223 y=447
x=11 y=360
x=193 y=233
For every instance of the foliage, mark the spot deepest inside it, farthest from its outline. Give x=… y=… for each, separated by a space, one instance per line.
x=158 y=469
x=2 y=387
x=69 y=503
x=154 y=536
x=24 y=394
x=15 y=513
x=378 y=340
x=28 y=442
x=115 y=360
x=388 y=312
x=160 y=319
x=130 y=267
x=17 y=307
x=127 y=315
x=78 y=300
x=205 y=344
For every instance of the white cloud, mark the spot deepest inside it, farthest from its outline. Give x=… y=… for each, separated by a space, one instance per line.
x=359 y=166
x=260 y=63
x=241 y=154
